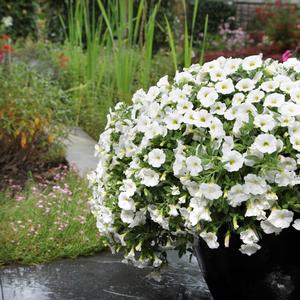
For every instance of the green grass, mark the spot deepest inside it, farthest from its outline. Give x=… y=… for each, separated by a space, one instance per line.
x=41 y=223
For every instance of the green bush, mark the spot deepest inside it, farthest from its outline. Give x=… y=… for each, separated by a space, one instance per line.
x=24 y=15
x=33 y=114
x=217 y=11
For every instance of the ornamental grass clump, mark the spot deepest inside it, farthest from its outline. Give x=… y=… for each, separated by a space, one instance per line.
x=212 y=154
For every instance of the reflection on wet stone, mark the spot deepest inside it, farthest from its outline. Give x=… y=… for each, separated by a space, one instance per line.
x=102 y=277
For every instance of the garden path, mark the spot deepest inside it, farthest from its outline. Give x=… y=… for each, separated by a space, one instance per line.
x=102 y=276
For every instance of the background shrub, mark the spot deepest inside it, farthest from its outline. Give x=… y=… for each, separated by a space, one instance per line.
x=33 y=115
x=24 y=14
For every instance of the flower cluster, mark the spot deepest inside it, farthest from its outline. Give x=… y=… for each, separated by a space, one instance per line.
x=233 y=38
x=213 y=154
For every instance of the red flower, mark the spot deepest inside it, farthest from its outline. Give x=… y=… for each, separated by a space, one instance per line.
x=8 y=48
x=5 y=37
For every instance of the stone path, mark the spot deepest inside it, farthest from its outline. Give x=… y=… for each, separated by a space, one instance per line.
x=103 y=276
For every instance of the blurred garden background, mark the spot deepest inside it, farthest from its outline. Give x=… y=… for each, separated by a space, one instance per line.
x=63 y=64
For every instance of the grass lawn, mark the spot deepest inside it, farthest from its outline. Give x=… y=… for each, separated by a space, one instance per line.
x=47 y=220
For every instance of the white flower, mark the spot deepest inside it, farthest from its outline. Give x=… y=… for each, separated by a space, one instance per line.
x=281 y=218
x=156 y=158
x=255 y=185
x=265 y=143
x=248 y=236
x=296 y=224
x=210 y=238
x=225 y=87
x=232 y=65
x=173 y=121
x=269 y=228
x=7 y=21
x=290 y=109
x=255 y=96
x=193 y=164
x=207 y=96
x=265 y=122
x=238 y=99
x=184 y=105
x=218 y=75
x=218 y=108
x=295 y=141
x=128 y=187
x=143 y=123
x=202 y=118
x=211 y=191
x=270 y=86
x=251 y=63
x=245 y=85
x=249 y=249
x=236 y=195
x=125 y=202
x=216 y=129
x=149 y=177
x=274 y=100
x=233 y=160
x=127 y=216
x=295 y=95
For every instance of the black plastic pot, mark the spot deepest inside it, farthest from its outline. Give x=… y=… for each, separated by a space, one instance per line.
x=272 y=273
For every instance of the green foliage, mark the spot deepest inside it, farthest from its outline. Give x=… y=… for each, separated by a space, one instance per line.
x=24 y=15
x=217 y=11
x=33 y=115
x=38 y=224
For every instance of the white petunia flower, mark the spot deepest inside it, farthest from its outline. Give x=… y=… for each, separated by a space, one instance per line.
x=218 y=108
x=236 y=195
x=173 y=121
x=251 y=63
x=202 y=118
x=274 y=100
x=156 y=158
x=233 y=161
x=295 y=95
x=269 y=228
x=290 y=109
x=207 y=96
x=127 y=216
x=249 y=249
x=249 y=236
x=149 y=177
x=296 y=224
x=255 y=96
x=255 y=185
x=128 y=187
x=225 y=87
x=281 y=218
x=270 y=86
x=184 y=106
x=193 y=164
x=265 y=143
x=211 y=191
x=210 y=238
x=265 y=123
x=238 y=99
x=125 y=202
x=245 y=85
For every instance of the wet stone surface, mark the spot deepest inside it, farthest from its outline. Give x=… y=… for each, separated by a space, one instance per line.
x=103 y=277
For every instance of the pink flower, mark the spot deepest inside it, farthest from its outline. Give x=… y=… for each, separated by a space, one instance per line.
x=286 y=55
x=298 y=26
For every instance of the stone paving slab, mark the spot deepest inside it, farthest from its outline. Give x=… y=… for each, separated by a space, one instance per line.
x=102 y=277
x=80 y=148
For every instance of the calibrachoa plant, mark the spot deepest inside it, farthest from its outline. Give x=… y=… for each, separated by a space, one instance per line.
x=213 y=154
